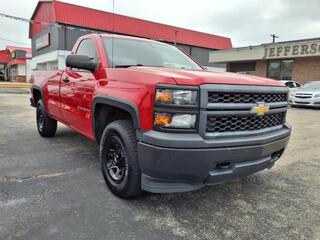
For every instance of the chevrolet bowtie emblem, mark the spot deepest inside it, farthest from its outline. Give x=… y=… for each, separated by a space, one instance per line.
x=260 y=110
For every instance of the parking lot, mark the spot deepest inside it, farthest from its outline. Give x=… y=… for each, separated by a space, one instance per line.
x=53 y=189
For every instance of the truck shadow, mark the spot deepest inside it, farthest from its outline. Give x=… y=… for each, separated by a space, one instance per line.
x=247 y=207
x=252 y=205
x=71 y=139
x=224 y=191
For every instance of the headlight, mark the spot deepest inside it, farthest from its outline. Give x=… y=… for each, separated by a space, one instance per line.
x=176 y=97
x=317 y=95
x=176 y=108
x=174 y=120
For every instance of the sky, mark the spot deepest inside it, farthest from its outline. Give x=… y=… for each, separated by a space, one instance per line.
x=246 y=22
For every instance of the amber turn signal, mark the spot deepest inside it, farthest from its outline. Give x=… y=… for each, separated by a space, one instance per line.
x=162 y=119
x=164 y=96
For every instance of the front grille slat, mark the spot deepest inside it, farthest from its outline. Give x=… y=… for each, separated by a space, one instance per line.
x=243 y=97
x=222 y=124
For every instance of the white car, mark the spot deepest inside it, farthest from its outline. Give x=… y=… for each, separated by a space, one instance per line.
x=307 y=95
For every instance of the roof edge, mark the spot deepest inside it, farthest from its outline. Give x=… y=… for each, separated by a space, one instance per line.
x=36 y=10
x=121 y=15
x=271 y=44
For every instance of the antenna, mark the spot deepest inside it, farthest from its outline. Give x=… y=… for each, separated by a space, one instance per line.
x=112 y=32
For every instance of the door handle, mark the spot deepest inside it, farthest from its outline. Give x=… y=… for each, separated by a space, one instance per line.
x=66 y=79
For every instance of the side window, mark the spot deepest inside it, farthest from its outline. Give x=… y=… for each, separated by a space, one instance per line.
x=298 y=85
x=88 y=48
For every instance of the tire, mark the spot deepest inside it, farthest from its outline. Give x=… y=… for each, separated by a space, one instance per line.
x=46 y=125
x=119 y=159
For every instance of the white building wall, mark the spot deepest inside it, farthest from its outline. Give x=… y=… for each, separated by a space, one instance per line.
x=237 y=54
x=21 y=71
x=28 y=70
x=54 y=60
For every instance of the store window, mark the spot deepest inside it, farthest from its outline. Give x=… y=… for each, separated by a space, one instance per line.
x=243 y=67
x=13 y=72
x=280 y=69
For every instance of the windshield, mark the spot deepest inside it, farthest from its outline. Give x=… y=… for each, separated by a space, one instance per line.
x=311 y=85
x=127 y=52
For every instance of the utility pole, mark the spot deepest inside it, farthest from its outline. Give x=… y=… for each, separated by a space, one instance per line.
x=274 y=37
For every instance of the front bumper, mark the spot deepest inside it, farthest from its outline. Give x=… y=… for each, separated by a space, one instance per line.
x=309 y=102
x=184 y=162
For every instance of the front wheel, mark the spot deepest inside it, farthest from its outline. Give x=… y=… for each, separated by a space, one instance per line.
x=46 y=125
x=119 y=159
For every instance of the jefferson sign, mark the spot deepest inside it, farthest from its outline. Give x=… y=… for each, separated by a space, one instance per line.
x=292 y=50
x=281 y=50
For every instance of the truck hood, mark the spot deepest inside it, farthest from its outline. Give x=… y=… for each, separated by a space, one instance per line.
x=195 y=77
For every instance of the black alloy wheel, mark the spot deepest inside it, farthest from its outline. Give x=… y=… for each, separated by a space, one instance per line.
x=46 y=125
x=119 y=159
x=116 y=161
x=40 y=118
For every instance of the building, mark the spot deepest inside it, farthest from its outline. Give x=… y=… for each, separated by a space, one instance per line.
x=291 y=60
x=55 y=26
x=4 y=60
x=15 y=64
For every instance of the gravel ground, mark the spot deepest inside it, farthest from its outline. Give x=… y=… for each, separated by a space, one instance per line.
x=53 y=189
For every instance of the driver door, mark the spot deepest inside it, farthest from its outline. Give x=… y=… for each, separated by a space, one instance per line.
x=77 y=90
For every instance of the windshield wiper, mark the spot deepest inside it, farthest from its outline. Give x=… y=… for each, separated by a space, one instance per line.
x=127 y=66
x=135 y=65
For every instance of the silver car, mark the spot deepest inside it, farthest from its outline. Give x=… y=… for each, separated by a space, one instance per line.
x=307 y=95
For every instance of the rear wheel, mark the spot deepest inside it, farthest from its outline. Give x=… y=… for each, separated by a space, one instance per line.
x=46 y=125
x=119 y=159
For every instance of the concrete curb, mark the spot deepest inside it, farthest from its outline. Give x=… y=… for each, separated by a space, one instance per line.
x=14 y=85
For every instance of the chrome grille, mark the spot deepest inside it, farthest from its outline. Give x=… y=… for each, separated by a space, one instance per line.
x=303 y=95
x=243 y=97
x=222 y=124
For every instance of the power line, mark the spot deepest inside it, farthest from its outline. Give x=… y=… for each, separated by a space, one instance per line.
x=83 y=29
x=25 y=20
x=54 y=24
x=8 y=40
x=263 y=37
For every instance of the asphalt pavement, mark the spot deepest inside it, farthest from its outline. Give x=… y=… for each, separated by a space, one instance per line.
x=53 y=189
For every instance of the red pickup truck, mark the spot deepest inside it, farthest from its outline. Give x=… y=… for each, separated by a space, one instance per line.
x=164 y=123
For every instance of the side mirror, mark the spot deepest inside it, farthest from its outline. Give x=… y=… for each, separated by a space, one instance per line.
x=81 y=62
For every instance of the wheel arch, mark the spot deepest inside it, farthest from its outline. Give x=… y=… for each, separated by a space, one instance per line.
x=115 y=103
x=37 y=94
